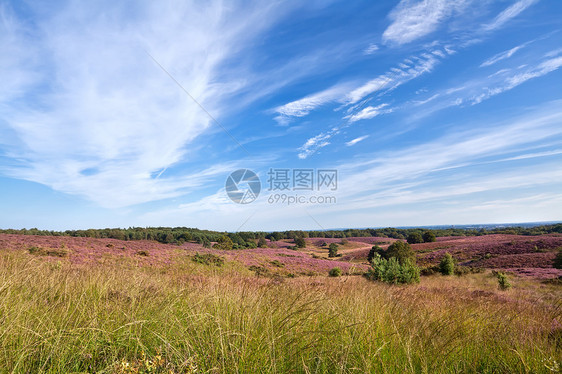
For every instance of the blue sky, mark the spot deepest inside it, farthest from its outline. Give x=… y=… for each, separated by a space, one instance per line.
x=432 y=112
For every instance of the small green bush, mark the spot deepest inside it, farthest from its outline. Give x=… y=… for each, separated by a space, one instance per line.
x=447 y=265
x=277 y=263
x=335 y=272
x=503 y=281
x=374 y=250
x=333 y=250
x=208 y=259
x=392 y=271
x=300 y=243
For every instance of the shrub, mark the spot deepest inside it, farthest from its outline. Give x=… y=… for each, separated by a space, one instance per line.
x=323 y=244
x=208 y=259
x=143 y=253
x=259 y=270
x=503 y=281
x=392 y=271
x=53 y=252
x=558 y=260
x=335 y=272
x=430 y=270
x=333 y=250
x=401 y=251
x=375 y=250
x=447 y=265
x=277 y=263
x=414 y=238
x=300 y=243
x=428 y=237
x=344 y=241
x=224 y=243
x=262 y=243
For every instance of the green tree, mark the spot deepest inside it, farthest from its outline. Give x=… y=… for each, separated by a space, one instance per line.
x=428 y=237
x=333 y=250
x=262 y=243
x=224 y=243
x=300 y=242
x=401 y=251
x=414 y=238
x=503 y=281
x=447 y=265
x=374 y=250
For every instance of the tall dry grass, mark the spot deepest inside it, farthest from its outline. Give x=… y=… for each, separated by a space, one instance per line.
x=192 y=318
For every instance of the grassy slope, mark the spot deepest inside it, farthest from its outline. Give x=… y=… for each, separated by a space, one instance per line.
x=187 y=317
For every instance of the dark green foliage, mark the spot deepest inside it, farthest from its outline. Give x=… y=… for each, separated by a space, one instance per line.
x=401 y=251
x=260 y=271
x=184 y=234
x=503 y=281
x=300 y=242
x=375 y=250
x=277 y=263
x=333 y=250
x=224 y=243
x=428 y=237
x=53 y=252
x=415 y=238
x=392 y=271
x=463 y=270
x=262 y=243
x=208 y=259
x=447 y=265
x=335 y=272
x=558 y=260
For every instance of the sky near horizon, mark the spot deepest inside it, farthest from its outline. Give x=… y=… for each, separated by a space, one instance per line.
x=134 y=113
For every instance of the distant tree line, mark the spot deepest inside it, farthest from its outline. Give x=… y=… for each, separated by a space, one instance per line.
x=251 y=239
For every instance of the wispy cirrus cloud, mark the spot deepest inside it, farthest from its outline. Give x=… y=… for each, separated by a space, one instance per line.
x=372 y=48
x=509 y=13
x=412 y=20
x=370 y=112
x=502 y=56
x=302 y=107
x=356 y=140
x=95 y=116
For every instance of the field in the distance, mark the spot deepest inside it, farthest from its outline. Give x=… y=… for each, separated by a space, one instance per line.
x=104 y=305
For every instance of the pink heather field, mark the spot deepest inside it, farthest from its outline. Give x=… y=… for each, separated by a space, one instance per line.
x=88 y=305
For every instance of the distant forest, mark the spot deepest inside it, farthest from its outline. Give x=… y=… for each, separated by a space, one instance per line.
x=179 y=235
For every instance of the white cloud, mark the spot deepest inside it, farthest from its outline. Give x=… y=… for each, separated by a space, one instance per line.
x=369 y=112
x=95 y=116
x=412 y=20
x=515 y=80
x=395 y=77
x=302 y=107
x=372 y=48
x=501 y=56
x=509 y=13
x=356 y=140
x=315 y=143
